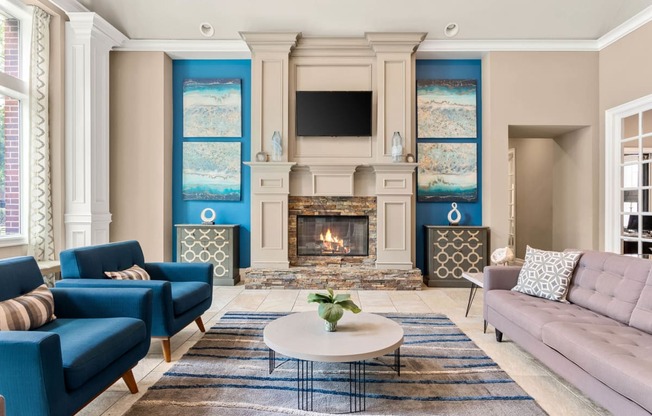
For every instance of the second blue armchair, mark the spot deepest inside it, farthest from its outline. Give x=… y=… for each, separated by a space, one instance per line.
x=182 y=292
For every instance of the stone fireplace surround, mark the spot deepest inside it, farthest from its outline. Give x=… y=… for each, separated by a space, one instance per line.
x=343 y=169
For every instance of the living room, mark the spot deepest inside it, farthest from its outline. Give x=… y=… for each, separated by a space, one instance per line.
x=566 y=87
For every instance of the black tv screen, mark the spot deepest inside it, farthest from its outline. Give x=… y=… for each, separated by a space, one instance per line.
x=333 y=113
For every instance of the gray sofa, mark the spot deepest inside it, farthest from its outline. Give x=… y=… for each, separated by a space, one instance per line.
x=600 y=340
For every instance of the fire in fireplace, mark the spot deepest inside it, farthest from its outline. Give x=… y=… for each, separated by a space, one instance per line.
x=332 y=235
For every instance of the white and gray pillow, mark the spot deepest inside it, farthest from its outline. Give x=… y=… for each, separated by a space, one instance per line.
x=135 y=272
x=29 y=311
x=546 y=274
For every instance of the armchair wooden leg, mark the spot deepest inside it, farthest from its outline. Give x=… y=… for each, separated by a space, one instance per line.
x=167 y=355
x=200 y=324
x=130 y=381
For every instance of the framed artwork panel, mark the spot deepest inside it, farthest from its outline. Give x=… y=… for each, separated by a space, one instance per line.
x=447 y=172
x=212 y=108
x=447 y=109
x=211 y=171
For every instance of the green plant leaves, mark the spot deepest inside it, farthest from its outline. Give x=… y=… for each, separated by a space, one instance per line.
x=350 y=306
x=331 y=312
x=341 y=298
x=318 y=298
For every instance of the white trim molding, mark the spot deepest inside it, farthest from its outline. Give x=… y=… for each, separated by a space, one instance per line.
x=625 y=28
x=190 y=49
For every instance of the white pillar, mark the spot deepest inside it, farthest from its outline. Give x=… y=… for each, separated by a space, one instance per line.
x=89 y=39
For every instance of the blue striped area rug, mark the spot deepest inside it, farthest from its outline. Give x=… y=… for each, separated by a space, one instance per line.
x=442 y=373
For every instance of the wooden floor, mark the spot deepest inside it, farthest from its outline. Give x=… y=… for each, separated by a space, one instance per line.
x=553 y=394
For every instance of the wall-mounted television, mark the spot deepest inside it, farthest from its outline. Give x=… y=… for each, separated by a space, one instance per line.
x=333 y=113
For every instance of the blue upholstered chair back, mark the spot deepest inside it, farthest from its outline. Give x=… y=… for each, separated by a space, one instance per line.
x=91 y=262
x=18 y=275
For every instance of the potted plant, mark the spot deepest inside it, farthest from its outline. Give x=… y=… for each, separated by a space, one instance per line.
x=331 y=307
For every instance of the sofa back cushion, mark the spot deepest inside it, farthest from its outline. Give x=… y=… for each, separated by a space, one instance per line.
x=642 y=314
x=18 y=275
x=91 y=262
x=609 y=284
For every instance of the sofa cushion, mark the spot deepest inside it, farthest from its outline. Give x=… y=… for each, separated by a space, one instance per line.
x=618 y=356
x=609 y=284
x=135 y=272
x=546 y=274
x=642 y=313
x=532 y=314
x=90 y=345
x=187 y=295
x=28 y=311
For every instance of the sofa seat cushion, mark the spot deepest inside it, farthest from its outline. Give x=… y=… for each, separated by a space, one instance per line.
x=532 y=314
x=618 y=356
x=187 y=295
x=88 y=346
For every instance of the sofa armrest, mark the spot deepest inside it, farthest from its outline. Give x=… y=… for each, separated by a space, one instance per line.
x=181 y=272
x=500 y=277
x=105 y=303
x=32 y=373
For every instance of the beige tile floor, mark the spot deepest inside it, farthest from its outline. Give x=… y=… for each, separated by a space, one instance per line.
x=553 y=394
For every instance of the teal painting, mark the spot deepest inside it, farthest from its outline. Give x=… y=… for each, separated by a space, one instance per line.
x=212 y=108
x=446 y=109
x=211 y=171
x=447 y=172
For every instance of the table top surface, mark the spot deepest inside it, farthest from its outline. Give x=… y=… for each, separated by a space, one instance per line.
x=358 y=337
x=475 y=278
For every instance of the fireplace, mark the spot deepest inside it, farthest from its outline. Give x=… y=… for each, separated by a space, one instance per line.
x=332 y=235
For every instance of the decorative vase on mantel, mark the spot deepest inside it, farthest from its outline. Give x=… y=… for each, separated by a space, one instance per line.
x=277 y=147
x=331 y=307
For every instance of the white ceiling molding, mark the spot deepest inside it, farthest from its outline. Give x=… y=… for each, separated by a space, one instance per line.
x=190 y=49
x=477 y=48
x=626 y=28
x=70 y=6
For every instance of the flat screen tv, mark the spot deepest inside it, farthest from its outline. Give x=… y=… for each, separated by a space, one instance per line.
x=333 y=113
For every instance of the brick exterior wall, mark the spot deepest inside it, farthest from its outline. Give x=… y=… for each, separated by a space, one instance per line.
x=12 y=120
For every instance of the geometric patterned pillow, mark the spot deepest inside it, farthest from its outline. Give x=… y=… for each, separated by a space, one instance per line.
x=546 y=274
x=28 y=311
x=133 y=273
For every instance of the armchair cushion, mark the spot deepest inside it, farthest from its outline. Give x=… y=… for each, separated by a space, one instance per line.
x=90 y=345
x=187 y=295
x=135 y=272
x=28 y=311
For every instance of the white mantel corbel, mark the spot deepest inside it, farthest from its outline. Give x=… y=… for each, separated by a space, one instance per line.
x=89 y=39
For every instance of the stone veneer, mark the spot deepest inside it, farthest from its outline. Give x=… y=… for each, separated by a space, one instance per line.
x=343 y=278
x=331 y=205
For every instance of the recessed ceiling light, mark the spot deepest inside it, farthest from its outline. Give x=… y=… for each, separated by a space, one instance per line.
x=206 y=29
x=451 y=30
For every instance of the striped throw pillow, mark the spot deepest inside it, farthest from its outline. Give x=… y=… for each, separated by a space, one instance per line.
x=28 y=311
x=135 y=272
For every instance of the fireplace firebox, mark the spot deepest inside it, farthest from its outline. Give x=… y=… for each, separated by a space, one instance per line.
x=332 y=235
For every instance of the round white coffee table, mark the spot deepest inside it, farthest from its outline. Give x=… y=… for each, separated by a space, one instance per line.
x=358 y=337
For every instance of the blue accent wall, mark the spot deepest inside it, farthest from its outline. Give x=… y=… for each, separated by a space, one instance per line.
x=436 y=213
x=228 y=212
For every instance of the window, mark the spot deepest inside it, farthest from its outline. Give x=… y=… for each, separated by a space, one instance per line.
x=13 y=121
x=628 y=179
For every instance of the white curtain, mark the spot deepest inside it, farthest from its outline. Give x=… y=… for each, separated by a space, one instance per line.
x=41 y=234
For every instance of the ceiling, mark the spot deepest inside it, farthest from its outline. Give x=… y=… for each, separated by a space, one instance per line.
x=477 y=19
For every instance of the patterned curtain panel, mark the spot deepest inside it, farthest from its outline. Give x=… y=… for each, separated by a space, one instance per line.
x=41 y=234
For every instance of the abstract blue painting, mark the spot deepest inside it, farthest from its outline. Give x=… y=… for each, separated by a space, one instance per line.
x=446 y=109
x=447 y=172
x=212 y=108
x=211 y=171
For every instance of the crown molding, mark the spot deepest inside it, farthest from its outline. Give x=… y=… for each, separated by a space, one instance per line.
x=477 y=48
x=625 y=28
x=70 y=6
x=190 y=49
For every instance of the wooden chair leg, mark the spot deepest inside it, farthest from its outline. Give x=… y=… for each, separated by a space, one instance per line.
x=129 y=379
x=200 y=324
x=167 y=355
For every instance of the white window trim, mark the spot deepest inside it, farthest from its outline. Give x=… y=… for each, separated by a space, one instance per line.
x=19 y=88
x=613 y=131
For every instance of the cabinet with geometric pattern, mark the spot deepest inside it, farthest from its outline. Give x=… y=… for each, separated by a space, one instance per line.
x=217 y=244
x=453 y=250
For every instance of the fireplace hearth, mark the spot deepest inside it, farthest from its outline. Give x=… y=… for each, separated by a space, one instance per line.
x=332 y=235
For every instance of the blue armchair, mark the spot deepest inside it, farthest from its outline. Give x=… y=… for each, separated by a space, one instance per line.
x=182 y=292
x=58 y=368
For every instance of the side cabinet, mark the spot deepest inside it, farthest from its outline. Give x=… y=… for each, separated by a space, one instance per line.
x=217 y=244
x=453 y=250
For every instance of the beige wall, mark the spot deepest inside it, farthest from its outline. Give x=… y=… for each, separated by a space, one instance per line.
x=625 y=68
x=141 y=151
x=534 y=188
x=539 y=89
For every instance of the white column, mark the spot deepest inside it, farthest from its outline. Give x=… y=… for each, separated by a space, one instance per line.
x=89 y=39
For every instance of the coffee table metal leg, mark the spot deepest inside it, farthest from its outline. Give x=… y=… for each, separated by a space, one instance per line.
x=272 y=360
x=357 y=386
x=397 y=361
x=304 y=385
x=474 y=288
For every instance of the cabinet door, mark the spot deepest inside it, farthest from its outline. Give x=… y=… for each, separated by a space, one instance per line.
x=207 y=245
x=453 y=252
